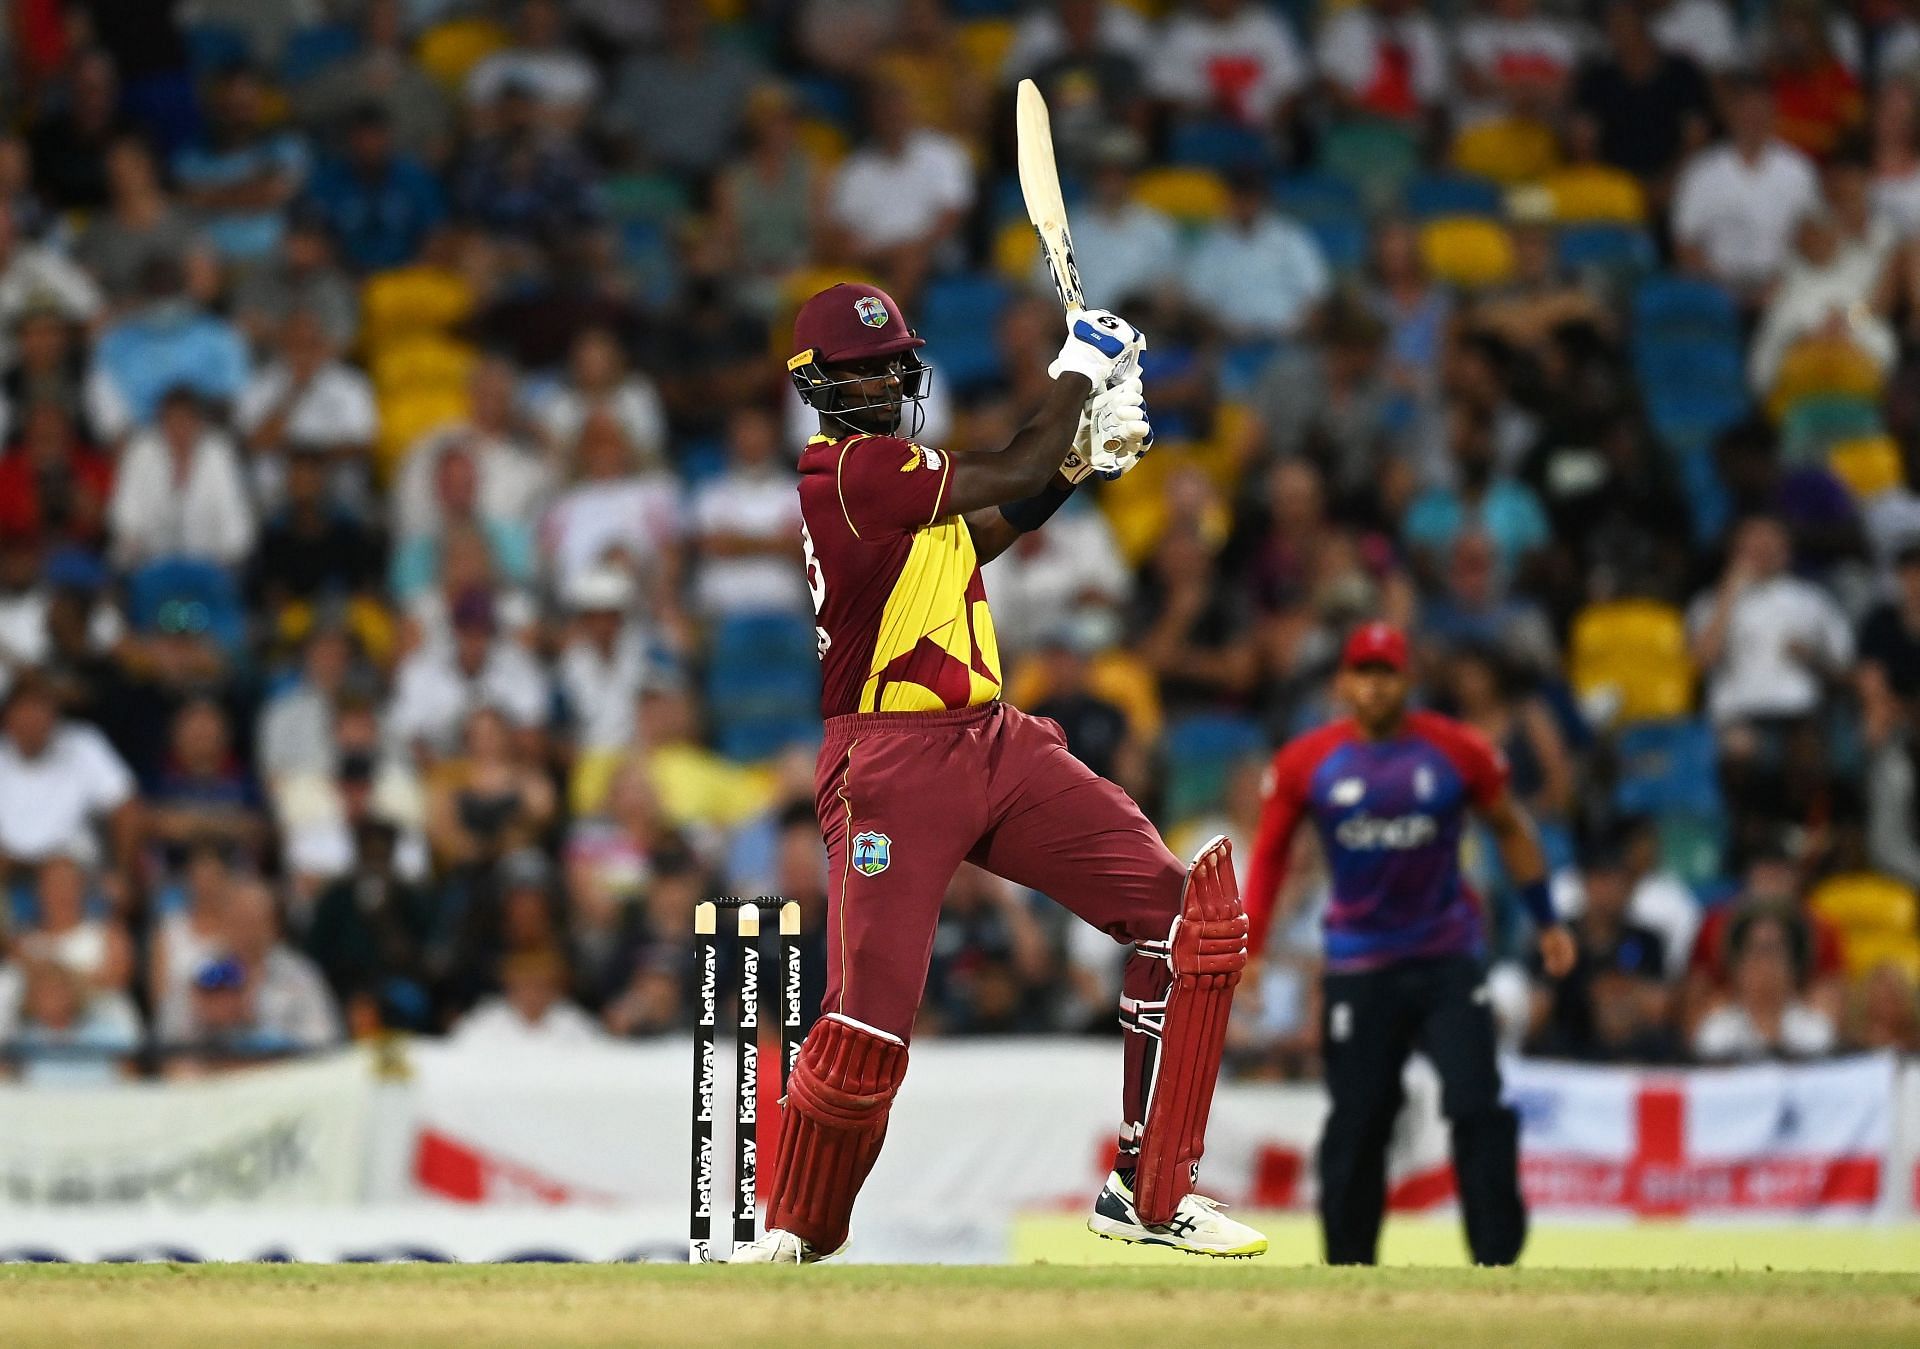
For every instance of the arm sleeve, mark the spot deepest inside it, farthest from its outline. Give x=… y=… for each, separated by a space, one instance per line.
x=1280 y=811
x=890 y=486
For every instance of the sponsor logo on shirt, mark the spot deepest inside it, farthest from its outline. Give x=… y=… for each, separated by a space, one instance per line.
x=1348 y=791
x=1394 y=833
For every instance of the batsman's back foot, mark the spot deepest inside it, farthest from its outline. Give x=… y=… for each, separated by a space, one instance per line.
x=779 y=1247
x=1198 y=1226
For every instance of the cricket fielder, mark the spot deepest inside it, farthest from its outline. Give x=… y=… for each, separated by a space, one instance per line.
x=923 y=767
x=1388 y=790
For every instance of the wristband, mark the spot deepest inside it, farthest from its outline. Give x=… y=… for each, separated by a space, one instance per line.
x=1030 y=513
x=1539 y=902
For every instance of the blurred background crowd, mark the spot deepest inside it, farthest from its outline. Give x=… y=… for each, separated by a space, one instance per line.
x=401 y=616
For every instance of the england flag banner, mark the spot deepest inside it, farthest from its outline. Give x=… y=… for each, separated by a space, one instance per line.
x=1774 y=1139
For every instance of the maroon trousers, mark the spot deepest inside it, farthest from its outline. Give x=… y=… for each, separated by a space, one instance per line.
x=905 y=799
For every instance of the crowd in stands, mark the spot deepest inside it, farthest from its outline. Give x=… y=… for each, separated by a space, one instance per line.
x=402 y=622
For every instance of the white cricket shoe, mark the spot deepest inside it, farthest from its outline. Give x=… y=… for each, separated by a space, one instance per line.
x=777 y=1247
x=1198 y=1226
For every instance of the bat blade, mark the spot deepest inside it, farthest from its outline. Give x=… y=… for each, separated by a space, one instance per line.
x=1040 y=186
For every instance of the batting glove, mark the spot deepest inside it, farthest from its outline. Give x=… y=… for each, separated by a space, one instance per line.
x=1100 y=345
x=1118 y=431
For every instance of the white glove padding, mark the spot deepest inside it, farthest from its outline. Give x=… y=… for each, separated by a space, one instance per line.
x=1114 y=433
x=1100 y=345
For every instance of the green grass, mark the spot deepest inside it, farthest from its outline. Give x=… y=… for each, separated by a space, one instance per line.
x=1197 y=1302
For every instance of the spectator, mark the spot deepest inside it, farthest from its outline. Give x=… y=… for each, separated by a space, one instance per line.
x=604 y=661
x=532 y=1011
x=1736 y=205
x=380 y=204
x=1097 y=731
x=747 y=520
x=1124 y=247
x=1613 y=1006
x=1485 y=501
x=1384 y=59
x=557 y=78
x=1073 y=565
x=521 y=181
x=1767 y=640
x=1818 y=97
x=95 y=950
x=769 y=203
x=622 y=509
x=489 y=802
x=439 y=686
x=36 y=276
x=897 y=201
x=513 y=481
x=203 y=792
x=1650 y=108
x=49 y=366
x=1088 y=57
x=52 y=484
x=66 y=1038
x=137 y=225
x=1885 y=1013
x=1227 y=60
x=241 y=177
x=180 y=491
x=372 y=935
x=314 y=550
x=71 y=144
x=599 y=380
x=296 y=728
x=168 y=343
x=1513 y=62
x=1257 y=274
x=300 y=277
x=1660 y=901
x=1703 y=31
x=1772 y=886
x=681 y=103
x=1417 y=312
x=1763 y=1015
x=1474 y=605
x=382 y=74
x=58 y=780
x=186 y=931
x=311 y=399
x=991 y=963
x=1483 y=691
x=1192 y=632
x=459 y=510
x=1893 y=138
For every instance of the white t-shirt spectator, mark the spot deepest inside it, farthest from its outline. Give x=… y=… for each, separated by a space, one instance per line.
x=1729 y=1035
x=1758 y=676
x=1534 y=49
x=759 y=506
x=336 y=409
x=887 y=200
x=635 y=405
x=1051 y=573
x=1742 y=214
x=1042 y=38
x=637 y=516
x=1261 y=282
x=1383 y=63
x=1245 y=65
x=513 y=481
x=432 y=696
x=48 y=804
x=558 y=79
x=1808 y=298
x=37 y=276
x=1122 y=254
x=1701 y=29
x=495 y=1024
x=154 y=515
x=600 y=688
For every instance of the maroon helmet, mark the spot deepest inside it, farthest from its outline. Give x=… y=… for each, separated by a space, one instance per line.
x=853 y=323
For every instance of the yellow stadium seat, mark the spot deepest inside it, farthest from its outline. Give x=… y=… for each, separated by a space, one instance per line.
x=1863 y=902
x=1116 y=676
x=1636 y=651
x=986 y=43
x=449 y=50
x=1819 y=366
x=410 y=414
x=1507 y=150
x=1015 y=250
x=1868 y=466
x=826 y=142
x=1467 y=251
x=1596 y=194
x=1191 y=196
x=411 y=300
x=421 y=361
x=1867 y=951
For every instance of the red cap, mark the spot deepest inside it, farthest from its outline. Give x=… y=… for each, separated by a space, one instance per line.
x=1375 y=644
x=850 y=322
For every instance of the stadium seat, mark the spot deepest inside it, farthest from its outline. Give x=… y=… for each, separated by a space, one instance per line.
x=1812 y=426
x=1693 y=365
x=1467 y=251
x=958 y=317
x=1317 y=195
x=1200 y=753
x=1694 y=848
x=214 y=47
x=1344 y=243
x=312 y=49
x=1633 y=652
x=420 y=361
x=1709 y=504
x=1507 y=149
x=828 y=99
x=1867 y=951
x=1595 y=194
x=1868 y=466
x=1218 y=145
x=187 y=594
x=410 y=300
x=1376 y=157
x=659 y=197
x=986 y=43
x=448 y=51
x=1686 y=419
x=1616 y=251
x=1016 y=251
x=1867 y=902
x=408 y=415
x=1191 y=196
x=1450 y=194
x=1823 y=368
x=1683 y=307
x=763 y=685
x=1668 y=767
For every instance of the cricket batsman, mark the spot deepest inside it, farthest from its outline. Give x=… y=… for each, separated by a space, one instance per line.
x=923 y=767
x=1389 y=790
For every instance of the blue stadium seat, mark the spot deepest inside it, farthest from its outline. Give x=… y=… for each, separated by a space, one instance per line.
x=213 y=47
x=1438 y=194
x=1219 y=145
x=1691 y=365
x=1343 y=242
x=1668 y=767
x=312 y=49
x=829 y=99
x=1317 y=195
x=958 y=317
x=186 y=594
x=1200 y=752
x=1241 y=366
x=763 y=685
x=1674 y=306
x=1694 y=418
x=1709 y=504
x=1618 y=250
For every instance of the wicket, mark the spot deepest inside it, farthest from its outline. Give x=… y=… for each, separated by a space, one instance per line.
x=746 y=1158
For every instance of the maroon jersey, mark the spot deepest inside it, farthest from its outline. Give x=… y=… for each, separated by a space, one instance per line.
x=900 y=610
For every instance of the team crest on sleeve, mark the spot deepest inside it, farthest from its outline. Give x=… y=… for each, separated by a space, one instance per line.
x=871 y=853
x=871 y=311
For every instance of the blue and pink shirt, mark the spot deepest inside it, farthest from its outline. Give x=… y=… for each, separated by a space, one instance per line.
x=1389 y=814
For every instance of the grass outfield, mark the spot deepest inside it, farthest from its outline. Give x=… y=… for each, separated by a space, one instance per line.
x=1244 y=1303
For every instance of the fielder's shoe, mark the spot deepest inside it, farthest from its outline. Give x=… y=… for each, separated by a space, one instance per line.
x=778 y=1247
x=1198 y=1226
